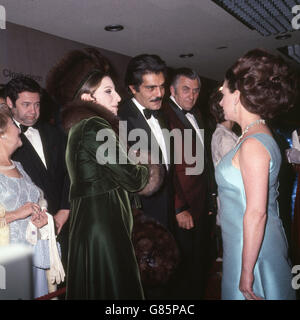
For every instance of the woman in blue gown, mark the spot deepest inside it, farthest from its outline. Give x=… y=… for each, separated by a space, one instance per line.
x=255 y=251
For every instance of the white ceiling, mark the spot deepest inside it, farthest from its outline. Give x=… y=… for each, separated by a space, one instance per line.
x=164 y=27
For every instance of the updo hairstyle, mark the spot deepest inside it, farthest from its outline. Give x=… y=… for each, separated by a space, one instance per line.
x=267 y=84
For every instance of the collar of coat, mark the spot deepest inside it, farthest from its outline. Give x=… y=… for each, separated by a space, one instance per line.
x=78 y=110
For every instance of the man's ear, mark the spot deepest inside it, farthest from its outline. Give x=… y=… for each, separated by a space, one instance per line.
x=86 y=97
x=172 y=90
x=132 y=89
x=9 y=102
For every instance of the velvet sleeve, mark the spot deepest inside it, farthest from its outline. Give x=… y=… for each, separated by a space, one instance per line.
x=103 y=145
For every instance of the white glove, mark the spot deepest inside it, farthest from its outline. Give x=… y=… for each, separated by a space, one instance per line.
x=57 y=273
x=293 y=155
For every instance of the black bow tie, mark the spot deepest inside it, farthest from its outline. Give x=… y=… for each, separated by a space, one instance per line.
x=148 y=113
x=25 y=128
x=186 y=111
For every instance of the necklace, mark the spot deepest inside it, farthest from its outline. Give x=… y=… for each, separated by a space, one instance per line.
x=8 y=167
x=254 y=123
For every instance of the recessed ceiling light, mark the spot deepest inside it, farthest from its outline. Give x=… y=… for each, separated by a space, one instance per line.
x=283 y=37
x=114 y=27
x=186 y=55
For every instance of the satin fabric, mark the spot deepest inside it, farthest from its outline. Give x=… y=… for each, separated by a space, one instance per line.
x=272 y=271
x=101 y=262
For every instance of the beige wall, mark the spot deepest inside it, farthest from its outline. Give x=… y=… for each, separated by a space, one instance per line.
x=31 y=52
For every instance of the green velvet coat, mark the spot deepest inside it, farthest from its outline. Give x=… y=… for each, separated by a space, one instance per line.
x=101 y=261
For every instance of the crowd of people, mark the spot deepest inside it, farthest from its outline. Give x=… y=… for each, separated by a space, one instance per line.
x=152 y=156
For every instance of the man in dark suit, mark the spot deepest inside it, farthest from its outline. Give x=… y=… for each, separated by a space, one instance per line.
x=195 y=182
x=145 y=78
x=42 y=154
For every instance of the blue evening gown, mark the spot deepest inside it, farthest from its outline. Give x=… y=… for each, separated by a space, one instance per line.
x=272 y=272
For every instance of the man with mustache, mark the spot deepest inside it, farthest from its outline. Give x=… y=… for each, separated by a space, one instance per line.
x=145 y=79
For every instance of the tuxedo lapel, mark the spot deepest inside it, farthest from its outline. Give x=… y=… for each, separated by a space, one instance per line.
x=181 y=116
x=198 y=117
x=137 y=120
x=46 y=143
x=34 y=158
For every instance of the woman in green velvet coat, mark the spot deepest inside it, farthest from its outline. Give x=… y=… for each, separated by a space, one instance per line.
x=101 y=260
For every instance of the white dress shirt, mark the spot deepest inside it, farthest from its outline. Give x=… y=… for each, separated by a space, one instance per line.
x=192 y=120
x=34 y=138
x=156 y=130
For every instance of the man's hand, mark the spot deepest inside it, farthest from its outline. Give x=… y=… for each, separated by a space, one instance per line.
x=61 y=218
x=185 y=220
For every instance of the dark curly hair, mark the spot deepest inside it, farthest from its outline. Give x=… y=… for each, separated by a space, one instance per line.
x=21 y=84
x=141 y=65
x=267 y=84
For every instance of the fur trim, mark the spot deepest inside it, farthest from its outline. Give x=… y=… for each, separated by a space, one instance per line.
x=156 y=178
x=64 y=79
x=156 y=173
x=78 y=110
x=156 y=251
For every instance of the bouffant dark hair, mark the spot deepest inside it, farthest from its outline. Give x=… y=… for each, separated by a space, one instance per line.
x=214 y=105
x=267 y=84
x=79 y=71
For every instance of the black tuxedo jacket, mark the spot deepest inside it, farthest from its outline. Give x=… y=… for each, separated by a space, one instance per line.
x=159 y=206
x=53 y=180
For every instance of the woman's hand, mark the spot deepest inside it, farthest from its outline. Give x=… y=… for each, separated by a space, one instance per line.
x=39 y=219
x=29 y=208
x=293 y=155
x=246 y=284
